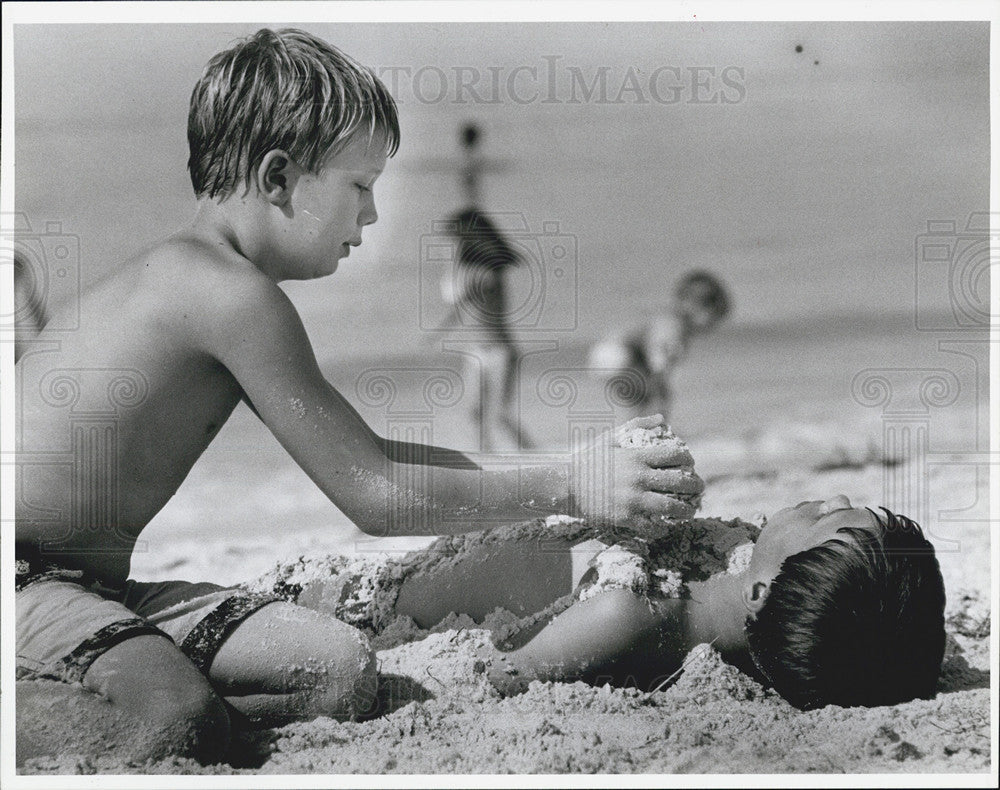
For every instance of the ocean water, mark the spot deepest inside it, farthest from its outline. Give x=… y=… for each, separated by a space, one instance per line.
x=807 y=196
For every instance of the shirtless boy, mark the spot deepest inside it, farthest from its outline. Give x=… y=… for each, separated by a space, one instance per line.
x=287 y=138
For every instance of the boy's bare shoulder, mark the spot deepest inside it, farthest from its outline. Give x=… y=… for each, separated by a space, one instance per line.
x=191 y=263
x=208 y=275
x=212 y=290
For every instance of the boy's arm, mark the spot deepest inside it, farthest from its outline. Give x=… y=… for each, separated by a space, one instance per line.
x=609 y=637
x=665 y=345
x=403 y=452
x=255 y=331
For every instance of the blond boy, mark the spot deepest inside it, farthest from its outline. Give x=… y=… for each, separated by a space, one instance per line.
x=287 y=138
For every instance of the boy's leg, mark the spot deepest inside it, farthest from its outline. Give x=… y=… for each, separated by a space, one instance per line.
x=273 y=661
x=508 y=402
x=126 y=689
x=55 y=719
x=154 y=685
x=477 y=380
x=142 y=700
x=497 y=398
x=285 y=662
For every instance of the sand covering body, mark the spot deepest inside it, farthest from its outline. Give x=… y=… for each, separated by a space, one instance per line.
x=363 y=590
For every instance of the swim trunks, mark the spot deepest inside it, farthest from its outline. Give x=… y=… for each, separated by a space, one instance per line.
x=65 y=620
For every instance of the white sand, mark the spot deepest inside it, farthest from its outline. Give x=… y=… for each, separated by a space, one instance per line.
x=439 y=714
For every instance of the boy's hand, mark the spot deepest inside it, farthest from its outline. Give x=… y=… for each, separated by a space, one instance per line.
x=637 y=479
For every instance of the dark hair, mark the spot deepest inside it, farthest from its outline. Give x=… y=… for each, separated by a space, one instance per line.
x=857 y=620
x=287 y=90
x=710 y=291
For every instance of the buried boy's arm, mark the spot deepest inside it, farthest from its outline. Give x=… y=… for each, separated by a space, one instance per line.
x=256 y=333
x=616 y=637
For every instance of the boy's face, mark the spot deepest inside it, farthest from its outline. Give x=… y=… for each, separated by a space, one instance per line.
x=328 y=210
x=693 y=304
x=802 y=527
x=702 y=318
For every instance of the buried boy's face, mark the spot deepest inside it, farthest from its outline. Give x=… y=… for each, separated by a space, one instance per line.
x=796 y=529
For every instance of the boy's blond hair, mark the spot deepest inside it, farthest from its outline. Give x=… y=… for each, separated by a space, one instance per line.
x=283 y=90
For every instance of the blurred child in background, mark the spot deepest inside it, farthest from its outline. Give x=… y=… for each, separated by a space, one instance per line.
x=643 y=361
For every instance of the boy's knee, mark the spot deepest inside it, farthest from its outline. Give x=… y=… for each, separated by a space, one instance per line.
x=349 y=682
x=193 y=722
x=166 y=705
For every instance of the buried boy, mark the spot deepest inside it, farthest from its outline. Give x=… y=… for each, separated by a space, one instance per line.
x=837 y=605
x=832 y=604
x=287 y=138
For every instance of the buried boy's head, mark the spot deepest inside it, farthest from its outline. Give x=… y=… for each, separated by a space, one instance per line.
x=846 y=606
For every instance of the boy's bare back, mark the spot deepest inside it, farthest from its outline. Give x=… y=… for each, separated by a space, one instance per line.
x=139 y=388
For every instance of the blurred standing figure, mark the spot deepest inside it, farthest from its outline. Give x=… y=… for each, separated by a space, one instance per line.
x=476 y=290
x=642 y=362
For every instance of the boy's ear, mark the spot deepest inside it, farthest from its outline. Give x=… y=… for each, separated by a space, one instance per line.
x=276 y=176
x=754 y=595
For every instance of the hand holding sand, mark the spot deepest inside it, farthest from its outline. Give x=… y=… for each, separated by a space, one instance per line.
x=637 y=480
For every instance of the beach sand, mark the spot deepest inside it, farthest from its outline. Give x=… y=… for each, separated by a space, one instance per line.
x=439 y=714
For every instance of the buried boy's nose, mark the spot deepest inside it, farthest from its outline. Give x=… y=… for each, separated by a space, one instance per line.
x=839 y=502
